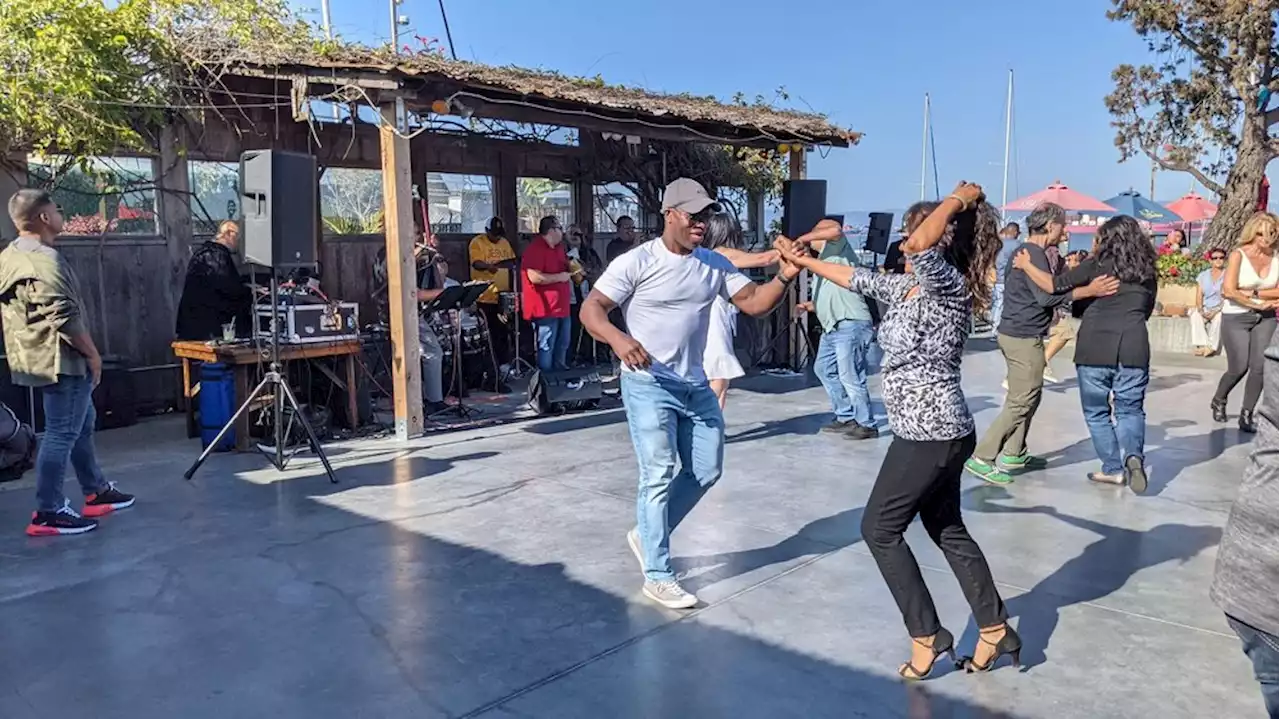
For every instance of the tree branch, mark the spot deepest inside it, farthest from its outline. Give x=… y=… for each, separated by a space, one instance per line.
x=1272 y=116
x=1209 y=183
x=1213 y=60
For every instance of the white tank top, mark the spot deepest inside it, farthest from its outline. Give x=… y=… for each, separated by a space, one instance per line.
x=1249 y=280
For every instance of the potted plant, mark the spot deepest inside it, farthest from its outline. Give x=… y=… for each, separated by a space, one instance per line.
x=1176 y=274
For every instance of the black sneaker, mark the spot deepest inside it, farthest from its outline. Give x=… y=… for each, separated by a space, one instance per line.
x=857 y=431
x=64 y=521
x=836 y=426
x=106 y=501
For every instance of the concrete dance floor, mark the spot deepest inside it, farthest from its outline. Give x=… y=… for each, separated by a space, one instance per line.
x=485 y=574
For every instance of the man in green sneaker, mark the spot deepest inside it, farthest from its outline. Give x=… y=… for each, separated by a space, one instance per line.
x=1024 y=322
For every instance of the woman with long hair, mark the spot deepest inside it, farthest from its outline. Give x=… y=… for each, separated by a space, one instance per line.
x=1113 y=355
x=930 y=309
x=1248 y=315
x=724 y=235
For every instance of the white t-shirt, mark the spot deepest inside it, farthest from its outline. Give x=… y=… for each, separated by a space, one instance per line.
x=666 y=299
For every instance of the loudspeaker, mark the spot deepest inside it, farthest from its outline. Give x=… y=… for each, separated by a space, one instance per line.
x=879 y=225
x=280 y=200
x=804 y=204
x=566 y=390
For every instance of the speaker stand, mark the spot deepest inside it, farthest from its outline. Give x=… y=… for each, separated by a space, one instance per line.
x=281 y=394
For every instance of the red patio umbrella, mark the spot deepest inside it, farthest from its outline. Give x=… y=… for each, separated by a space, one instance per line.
x=1061 y=195
x=1193 y=208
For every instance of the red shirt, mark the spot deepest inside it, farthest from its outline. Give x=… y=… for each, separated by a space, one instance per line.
x=544 y=301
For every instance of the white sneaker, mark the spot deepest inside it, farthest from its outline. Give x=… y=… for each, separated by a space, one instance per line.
x=670 y=594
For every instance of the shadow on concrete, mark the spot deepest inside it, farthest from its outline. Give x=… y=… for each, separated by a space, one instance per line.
x=805 y=424
x=578 y=421
x=263 y=615
x=1166 y=455
x=1158 y=383
x=1101 y=569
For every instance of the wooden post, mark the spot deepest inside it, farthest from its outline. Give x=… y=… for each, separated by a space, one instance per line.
x=173 y=205
x=799 y=333
x=402 y=280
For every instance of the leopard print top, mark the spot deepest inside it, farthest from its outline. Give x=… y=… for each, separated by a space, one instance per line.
x=923 y=338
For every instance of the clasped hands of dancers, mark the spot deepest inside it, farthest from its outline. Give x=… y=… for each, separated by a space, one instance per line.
x=667 y=287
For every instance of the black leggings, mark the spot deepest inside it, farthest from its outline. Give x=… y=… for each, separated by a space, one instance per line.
x=924 y=478
x=1245 y=336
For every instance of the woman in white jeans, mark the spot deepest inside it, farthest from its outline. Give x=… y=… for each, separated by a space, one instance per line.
x=1206 y=316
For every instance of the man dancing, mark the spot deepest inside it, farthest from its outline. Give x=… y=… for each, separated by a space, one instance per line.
x=666 y=288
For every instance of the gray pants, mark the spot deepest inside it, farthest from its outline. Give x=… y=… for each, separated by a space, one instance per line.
x=1008 y=434
x=432 y=364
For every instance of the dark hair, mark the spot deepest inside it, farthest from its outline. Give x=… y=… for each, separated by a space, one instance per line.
x=547 y=224
x=618 y=222
x=969 y=244
x=1182 y=236
x=1012 y=226
x=1126 y=251
x=496 y=226
x=26 y=205
x=723 y=230
x=1043 y=216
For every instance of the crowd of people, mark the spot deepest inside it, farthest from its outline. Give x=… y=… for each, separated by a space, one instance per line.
x=678 y=295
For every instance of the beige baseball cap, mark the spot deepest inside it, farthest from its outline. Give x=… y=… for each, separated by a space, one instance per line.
x=687 y=196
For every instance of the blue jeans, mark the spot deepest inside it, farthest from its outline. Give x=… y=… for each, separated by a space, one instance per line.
x=553 y=342
x=997 y=305
x=1114 y=441
x=678 y=434
x=841 y=366
x=1260 y=647
x=69 y=418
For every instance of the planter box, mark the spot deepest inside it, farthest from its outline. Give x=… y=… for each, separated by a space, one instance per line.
x=1175 y=300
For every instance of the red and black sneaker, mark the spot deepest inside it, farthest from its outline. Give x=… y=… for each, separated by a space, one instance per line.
x=106 y=501
x=63 y=521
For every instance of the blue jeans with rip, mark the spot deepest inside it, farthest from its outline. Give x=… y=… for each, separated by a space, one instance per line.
x=678 y=434
x=1261 y=648
x=69 y=419
x=1118 y=438
x=841 y=367
x=553 y=342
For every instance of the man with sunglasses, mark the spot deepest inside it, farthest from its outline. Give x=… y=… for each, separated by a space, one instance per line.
x=48 y=345
x=666 y=287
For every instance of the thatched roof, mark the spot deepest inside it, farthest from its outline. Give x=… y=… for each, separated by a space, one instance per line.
x=745 y=124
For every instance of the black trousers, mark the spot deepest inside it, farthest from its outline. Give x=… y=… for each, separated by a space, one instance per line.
x=1244 y=337
x=499 y=330
x=924 y=478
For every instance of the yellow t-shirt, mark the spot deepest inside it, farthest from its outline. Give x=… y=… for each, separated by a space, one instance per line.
x=484 y=250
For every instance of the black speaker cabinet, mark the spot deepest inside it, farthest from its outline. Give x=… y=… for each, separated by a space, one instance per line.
x=280 y=197
x=879 y=226
x=804 y=204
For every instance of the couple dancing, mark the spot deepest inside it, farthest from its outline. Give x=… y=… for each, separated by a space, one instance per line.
x=667 y=288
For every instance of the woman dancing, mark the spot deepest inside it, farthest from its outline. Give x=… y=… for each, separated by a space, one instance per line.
x=923 y=335
x=724 y=235
x=1248 y=316
x=1113 y=355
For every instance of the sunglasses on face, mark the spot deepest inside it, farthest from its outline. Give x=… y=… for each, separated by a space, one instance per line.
x=702 y=217
x=1217 y=258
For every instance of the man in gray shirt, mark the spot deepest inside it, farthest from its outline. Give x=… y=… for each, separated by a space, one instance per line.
x=1245 y=582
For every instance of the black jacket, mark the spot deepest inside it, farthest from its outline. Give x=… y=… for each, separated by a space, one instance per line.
x=213 y=294
x=1113 y=330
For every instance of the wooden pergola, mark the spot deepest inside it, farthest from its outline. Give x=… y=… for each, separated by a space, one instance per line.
x=270 y=100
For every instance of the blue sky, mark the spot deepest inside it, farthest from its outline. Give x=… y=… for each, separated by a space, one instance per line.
x=865 y=63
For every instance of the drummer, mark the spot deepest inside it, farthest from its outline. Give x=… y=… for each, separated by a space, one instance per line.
x=433 y=277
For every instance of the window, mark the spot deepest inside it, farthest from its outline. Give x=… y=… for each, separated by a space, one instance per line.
x=351 y=201
x=612 y=201
x=215 y=195
x=99 y=195
x=459 y=203
x=538 y=197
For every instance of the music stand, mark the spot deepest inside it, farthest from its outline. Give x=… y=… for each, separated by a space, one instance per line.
x=457 y=298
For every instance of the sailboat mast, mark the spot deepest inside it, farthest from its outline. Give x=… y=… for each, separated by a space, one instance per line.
x=1008 y=134
x=924 y=149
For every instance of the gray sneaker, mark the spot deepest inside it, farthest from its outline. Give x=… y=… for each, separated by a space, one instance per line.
x=633 y=541
x=669 y=594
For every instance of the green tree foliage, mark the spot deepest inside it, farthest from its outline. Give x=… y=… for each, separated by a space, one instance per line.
x=1203 y=106
x=84 y=77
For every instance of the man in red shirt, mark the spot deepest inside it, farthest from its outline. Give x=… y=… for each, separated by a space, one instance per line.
x=544 y=290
